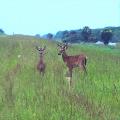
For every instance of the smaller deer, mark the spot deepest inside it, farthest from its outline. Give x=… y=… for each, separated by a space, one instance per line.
x=72 y=61
x=41 y=64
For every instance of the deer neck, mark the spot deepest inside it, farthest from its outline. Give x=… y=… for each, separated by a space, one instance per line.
x=41 y=57
x=64 y=56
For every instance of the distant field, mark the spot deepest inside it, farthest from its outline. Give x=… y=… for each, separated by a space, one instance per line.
x=25 y=95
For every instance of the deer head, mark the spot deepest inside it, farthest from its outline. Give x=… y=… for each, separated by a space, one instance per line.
x=41 y=50
x=62 y=48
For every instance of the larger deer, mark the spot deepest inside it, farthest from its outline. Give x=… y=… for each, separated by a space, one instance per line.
x=41 y=64
x=72 y=61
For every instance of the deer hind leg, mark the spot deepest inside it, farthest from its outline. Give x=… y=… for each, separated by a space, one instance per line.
x=70 y=82
x=83 y=68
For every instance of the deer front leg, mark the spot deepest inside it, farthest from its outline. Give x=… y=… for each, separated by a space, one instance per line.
x=43 y=72
x=70 y=72
x=70 y=76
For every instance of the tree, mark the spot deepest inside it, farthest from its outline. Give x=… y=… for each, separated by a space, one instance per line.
x=65 y=36
x=86 y=32
x=106 y=35
x=73 y=36
x=37 y=35
x=2 y=31
x=70 y=36
x=49 y=36
x=92 y=38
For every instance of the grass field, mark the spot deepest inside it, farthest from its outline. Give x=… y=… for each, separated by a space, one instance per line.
x=25 y=95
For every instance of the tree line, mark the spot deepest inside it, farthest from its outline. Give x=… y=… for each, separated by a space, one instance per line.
x=85 y=35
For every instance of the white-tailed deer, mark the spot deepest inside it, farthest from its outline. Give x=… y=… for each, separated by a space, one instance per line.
x=72 y=61
x=41 y=64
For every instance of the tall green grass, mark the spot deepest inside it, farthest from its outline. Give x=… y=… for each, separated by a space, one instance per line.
x=25 y=95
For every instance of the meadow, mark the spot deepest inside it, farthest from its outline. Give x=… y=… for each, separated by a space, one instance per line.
x=25 y=95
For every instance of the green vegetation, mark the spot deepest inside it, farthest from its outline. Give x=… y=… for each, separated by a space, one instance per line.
x=25 y=95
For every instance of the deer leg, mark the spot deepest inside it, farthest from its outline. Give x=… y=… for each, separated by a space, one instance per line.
x=68 y=78
x=70 y=82
x=70 y=72
x=40 y=72
x=83 y=67
x=43 y=72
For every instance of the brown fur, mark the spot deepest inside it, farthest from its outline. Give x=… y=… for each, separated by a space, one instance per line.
x=41 y=64
x=73 y=61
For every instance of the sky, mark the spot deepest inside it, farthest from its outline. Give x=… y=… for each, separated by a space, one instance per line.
x=32 y=17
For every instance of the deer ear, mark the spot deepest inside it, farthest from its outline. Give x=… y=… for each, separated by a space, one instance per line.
x=58 y=45
x=37 y=48
x=66 y=45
